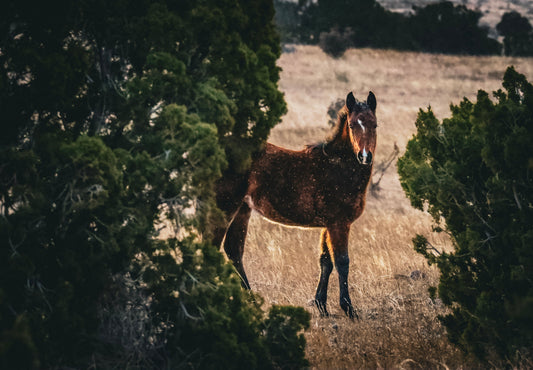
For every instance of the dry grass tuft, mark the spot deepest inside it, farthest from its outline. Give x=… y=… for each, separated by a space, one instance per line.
x=388 y=280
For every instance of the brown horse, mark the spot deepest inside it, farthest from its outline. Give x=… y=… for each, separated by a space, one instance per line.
x=323 y=186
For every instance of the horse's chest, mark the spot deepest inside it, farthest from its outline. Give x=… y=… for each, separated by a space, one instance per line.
x=341 y=191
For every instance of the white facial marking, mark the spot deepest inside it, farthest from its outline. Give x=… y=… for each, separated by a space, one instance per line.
x=361 y=124
x=249 y=201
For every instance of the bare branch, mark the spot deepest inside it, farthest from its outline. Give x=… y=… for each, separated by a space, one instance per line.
x=186 y=313
x=516 y=198
x=383 y=167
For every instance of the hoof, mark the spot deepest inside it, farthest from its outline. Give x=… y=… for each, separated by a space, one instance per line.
x=321 y=308
x=352 y=313
x=349 y=310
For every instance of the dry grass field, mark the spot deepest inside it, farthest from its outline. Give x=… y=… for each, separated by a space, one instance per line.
x=398 y=326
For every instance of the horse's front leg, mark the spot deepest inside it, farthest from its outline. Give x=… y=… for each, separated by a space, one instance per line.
x=326 y=266
x=338 y=235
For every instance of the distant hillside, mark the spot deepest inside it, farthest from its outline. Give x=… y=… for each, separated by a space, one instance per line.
x=492 y=10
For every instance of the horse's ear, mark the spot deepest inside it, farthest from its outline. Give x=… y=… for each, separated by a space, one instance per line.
x=371 y=101
x=350 y=102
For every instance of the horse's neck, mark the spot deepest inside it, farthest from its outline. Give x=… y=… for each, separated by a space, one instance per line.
x=344 y=157
x=340 y=148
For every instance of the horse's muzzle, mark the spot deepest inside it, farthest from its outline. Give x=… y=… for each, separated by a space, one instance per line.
x=364 y=157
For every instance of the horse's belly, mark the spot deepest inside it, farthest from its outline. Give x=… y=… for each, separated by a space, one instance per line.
x=301 y=216
x=307 y=215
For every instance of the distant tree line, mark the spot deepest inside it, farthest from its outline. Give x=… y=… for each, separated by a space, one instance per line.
x=442 y=27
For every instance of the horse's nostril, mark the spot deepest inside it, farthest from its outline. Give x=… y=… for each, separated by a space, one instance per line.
x=364 y=157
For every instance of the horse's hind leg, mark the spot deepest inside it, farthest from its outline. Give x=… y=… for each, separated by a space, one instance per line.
x=338 y=235
x=235 y=239
x=326 y=266
x=219 y=234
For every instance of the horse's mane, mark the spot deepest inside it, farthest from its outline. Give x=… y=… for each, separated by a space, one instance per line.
x=336 y=132
x=333 y=140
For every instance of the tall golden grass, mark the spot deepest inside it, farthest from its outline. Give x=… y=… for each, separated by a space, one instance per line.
x=388 y=280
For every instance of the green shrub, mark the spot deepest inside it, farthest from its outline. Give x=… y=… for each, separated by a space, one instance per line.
x=117 y=119
x=473 y=171
x=286 y=343
x=333 y=110
x=208 y=321
x=517 y=34
x=335 y=43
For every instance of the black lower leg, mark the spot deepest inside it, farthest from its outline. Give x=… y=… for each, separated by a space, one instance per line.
x=321 y=297
x=342 y=263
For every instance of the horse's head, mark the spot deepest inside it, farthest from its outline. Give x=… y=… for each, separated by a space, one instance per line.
x=362 y=123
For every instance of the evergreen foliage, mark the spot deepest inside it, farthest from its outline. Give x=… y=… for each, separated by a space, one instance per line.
x=287 y=19
x=214 y=324
x=473 y=172
x=116 y=117
x=517 y=33
x=335 y=43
